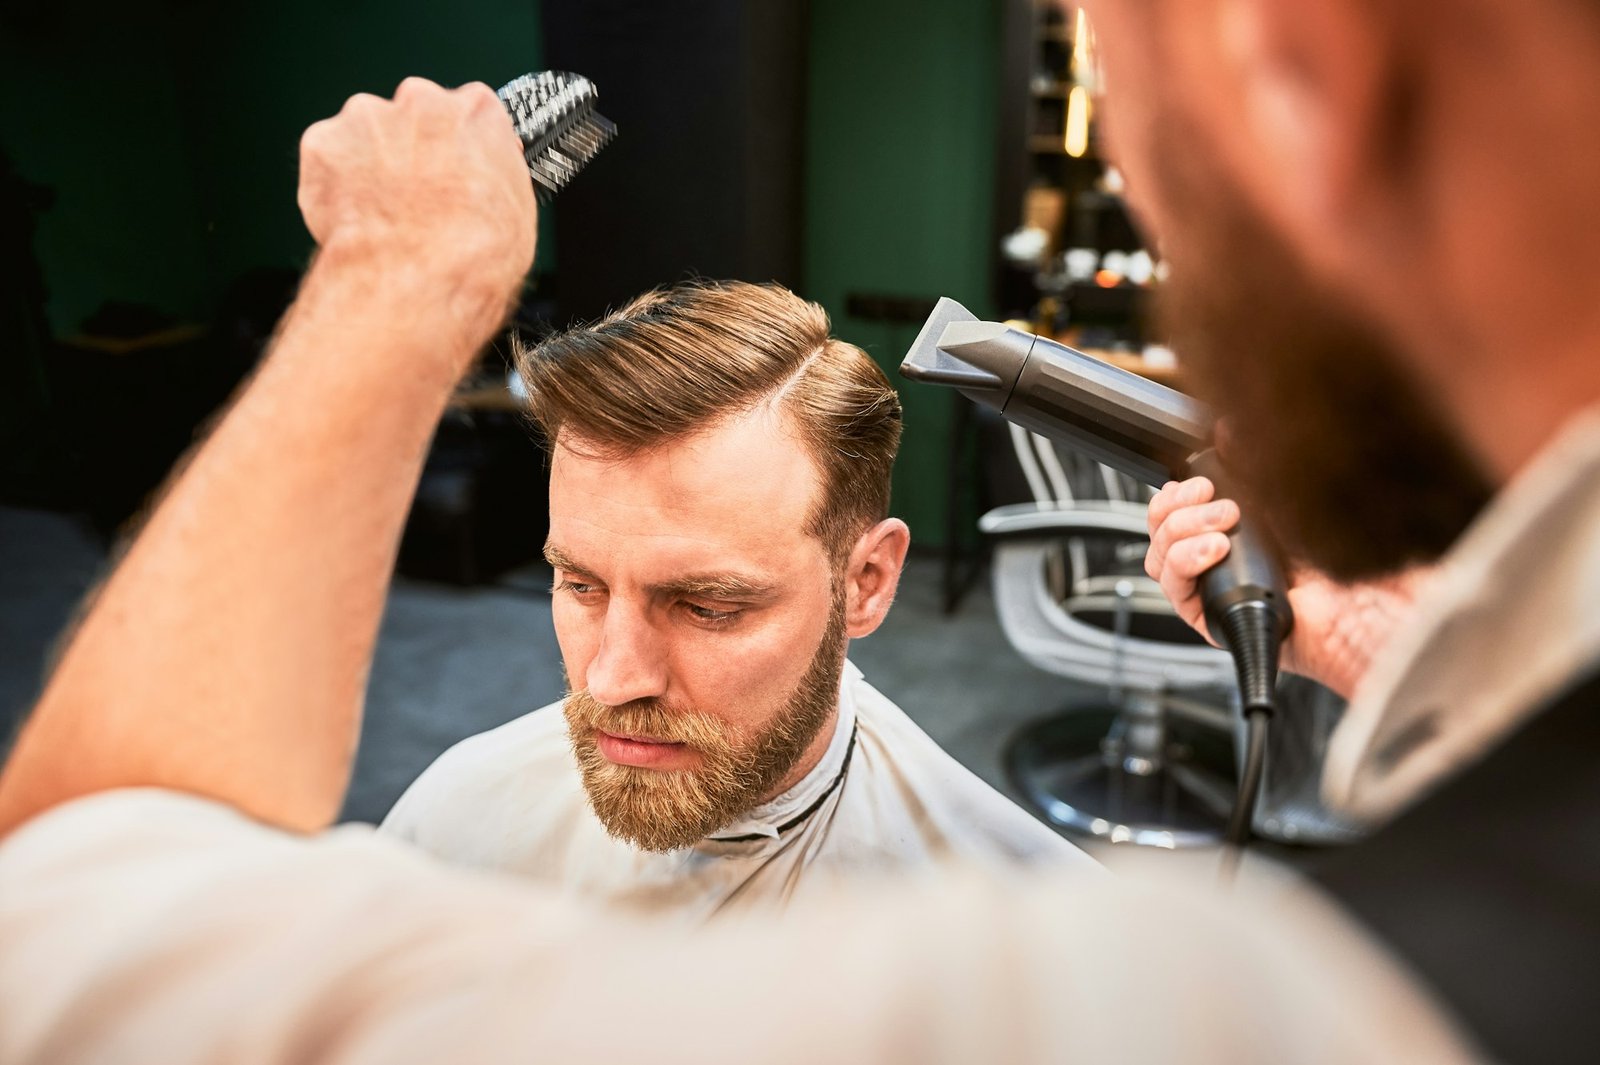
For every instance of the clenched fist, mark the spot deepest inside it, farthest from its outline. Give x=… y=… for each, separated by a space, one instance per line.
x=430 y=185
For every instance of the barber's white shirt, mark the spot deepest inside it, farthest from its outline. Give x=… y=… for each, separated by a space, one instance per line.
x=883 y=798
x=147 y=926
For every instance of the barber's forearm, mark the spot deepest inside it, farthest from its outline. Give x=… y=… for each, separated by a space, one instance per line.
x=227 y=655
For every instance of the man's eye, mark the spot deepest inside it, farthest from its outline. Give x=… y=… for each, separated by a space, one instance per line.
x=709 y=616
x=577 y=588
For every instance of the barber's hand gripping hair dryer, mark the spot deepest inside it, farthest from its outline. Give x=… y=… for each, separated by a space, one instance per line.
x=1142 y=429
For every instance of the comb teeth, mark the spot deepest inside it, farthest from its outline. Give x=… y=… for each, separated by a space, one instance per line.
x=554 y=115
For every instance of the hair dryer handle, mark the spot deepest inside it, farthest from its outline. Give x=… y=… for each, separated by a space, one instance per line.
x=1250 y=573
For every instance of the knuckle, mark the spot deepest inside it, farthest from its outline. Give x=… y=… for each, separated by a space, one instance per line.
x=360 y=105
x=478 y=95
x=1160 y=542
x=1183 y=524
x=414 y=86
x=311 y=141
x=1185 y=558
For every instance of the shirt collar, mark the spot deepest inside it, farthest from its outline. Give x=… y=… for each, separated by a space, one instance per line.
x=1509 y=623
x=763 y=820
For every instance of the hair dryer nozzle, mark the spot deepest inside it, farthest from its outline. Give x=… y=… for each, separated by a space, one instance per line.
x=1133 y=425
x=932 y=358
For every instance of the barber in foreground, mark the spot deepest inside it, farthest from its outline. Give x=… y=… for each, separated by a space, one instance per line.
x=168 y=891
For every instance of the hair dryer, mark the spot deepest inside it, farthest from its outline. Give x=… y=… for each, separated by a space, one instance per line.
x=1140 y=428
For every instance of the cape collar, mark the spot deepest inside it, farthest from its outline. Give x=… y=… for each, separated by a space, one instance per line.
x=766 y=823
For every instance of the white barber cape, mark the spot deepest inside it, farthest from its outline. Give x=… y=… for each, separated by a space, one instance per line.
x=883 y=798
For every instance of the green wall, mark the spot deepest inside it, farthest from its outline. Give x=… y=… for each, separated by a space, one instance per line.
x=289 y=64
x=899 y=192
x=170 y=132
x=84 y=110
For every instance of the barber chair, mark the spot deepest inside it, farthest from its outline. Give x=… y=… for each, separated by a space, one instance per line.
x=1153 y=763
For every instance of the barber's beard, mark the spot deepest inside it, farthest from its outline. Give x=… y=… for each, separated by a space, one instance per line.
x=662 y=810
x=1329 y=438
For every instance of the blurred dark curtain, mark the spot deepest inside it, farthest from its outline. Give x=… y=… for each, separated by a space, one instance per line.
x=705 y=176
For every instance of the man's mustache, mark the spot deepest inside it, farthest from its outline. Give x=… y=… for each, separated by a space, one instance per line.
x=651 y=717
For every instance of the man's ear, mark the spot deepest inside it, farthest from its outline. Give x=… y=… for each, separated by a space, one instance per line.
x=1313 y=84
x=872 y=574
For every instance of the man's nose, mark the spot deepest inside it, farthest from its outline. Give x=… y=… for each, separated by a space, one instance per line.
x=630 y=662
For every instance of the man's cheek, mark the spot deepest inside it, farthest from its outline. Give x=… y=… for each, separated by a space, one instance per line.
x=746 y=677
x=576 y=636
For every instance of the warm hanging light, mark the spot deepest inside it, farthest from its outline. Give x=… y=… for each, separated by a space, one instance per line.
x=1077 y=139
x=1082 y=50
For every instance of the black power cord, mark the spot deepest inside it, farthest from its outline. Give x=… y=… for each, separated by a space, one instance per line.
x=1252 y=630
x=1257 y=722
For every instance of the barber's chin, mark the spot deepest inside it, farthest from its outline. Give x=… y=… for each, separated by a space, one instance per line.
x=643 y=752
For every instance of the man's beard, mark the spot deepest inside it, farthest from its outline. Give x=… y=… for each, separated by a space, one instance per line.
x=662 y=810
x=1345 y=457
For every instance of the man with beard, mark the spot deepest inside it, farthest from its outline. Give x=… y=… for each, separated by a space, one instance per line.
x=719 y=530
x=1431 y=169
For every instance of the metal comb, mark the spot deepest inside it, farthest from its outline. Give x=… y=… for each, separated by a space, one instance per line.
x=554 y=114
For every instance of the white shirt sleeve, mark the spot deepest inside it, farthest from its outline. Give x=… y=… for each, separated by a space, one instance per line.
x=148 y=926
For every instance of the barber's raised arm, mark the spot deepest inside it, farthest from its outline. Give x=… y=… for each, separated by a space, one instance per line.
x=1337 y=627
x=227 y=655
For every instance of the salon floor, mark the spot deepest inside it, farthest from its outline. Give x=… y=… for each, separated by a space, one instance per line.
x=452 y=662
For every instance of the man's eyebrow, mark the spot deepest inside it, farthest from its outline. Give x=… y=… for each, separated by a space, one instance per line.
x=724 y=586
x=559 y=559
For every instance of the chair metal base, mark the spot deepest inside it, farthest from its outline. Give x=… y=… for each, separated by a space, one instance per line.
x=1125 y=776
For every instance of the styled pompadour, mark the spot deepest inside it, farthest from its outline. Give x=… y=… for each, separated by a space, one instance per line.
x=676 y=362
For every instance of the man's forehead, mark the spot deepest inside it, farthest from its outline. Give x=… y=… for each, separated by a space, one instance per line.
x=739 y=496
x=746 y=468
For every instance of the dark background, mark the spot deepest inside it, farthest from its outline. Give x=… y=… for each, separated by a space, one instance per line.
x=150 y=234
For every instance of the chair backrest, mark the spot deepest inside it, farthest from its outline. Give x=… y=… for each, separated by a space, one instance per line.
x=1063 y=477
x=1056 y=592
x=1045 y=632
